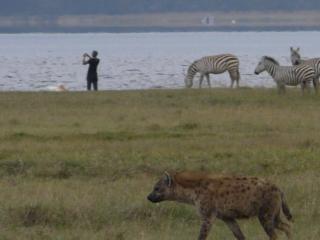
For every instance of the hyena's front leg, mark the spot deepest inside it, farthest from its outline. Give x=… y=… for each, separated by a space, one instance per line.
x=205 y=228
x=234 y=227
x=207 y=220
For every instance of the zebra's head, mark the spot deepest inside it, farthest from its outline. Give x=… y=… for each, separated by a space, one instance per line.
x=188 y=80
x=264 y=63
x=295 y=56
x=260 y=67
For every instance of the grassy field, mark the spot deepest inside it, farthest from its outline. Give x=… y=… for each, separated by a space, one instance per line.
x=78 y=166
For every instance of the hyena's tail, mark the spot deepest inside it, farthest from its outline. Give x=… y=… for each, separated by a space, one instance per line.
x=285 y=208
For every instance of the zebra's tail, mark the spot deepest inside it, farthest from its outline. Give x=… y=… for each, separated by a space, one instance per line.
x=238 y=75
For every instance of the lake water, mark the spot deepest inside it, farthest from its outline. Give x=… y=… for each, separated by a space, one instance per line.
x=34 y=62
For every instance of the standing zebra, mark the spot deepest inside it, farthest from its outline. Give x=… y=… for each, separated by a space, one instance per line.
x=286 y=75
x=214 y=64
x=313 y=62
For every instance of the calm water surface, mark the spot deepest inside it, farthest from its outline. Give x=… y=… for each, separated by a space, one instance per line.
x=34 y=62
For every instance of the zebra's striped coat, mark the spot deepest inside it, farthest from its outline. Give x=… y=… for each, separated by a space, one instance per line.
x=313 y=62
x=214 y=65
x=286 y=75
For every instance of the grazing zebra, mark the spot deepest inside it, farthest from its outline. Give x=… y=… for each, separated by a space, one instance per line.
x=313 y=62
x=214 y=64
x=286 y=75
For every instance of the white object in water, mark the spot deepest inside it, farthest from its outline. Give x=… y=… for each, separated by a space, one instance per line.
x=59 y=88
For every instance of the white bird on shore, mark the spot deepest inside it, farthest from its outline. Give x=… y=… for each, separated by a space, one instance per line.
x=59 y=88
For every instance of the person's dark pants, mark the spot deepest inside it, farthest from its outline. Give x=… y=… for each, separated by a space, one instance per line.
x=92 y=82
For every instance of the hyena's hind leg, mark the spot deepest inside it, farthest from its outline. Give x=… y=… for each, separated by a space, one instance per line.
x=235 y=77
x=267 y=223
x=282 y=226
x=234 y=227
x=268 y=214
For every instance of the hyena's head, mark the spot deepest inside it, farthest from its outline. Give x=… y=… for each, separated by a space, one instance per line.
x=162 y=190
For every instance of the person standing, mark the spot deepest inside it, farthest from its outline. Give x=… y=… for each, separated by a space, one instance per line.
x=92 y=76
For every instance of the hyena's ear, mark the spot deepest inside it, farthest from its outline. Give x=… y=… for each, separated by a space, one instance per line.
x=298 y=49
x=168 y=179
x=291 y=49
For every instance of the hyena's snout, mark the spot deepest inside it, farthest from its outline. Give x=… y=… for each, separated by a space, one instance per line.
x=161 y=190
x=154 y=197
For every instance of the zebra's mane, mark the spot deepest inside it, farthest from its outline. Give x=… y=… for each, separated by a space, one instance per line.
x=295 y=51
x=271 y=60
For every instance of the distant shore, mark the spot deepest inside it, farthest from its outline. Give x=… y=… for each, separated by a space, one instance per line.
x=153 y=29
x=196 y=21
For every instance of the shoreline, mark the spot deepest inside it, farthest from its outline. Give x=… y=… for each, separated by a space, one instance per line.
x=154 y=90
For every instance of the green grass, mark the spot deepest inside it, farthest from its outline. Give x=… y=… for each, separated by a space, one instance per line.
x=80 y=165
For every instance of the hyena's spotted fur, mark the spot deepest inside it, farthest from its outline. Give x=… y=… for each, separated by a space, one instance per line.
x=227 y=198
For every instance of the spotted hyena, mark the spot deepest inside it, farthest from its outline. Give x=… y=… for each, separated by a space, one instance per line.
x=227 y=198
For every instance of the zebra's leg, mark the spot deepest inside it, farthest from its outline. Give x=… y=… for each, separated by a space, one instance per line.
x=304 y=85
x=316 y=84
x=200 y=80
x=234 y=77
x=308 y=87
x=238 y=78
x=208 y=80
x=281 y=88
x=232 y=83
